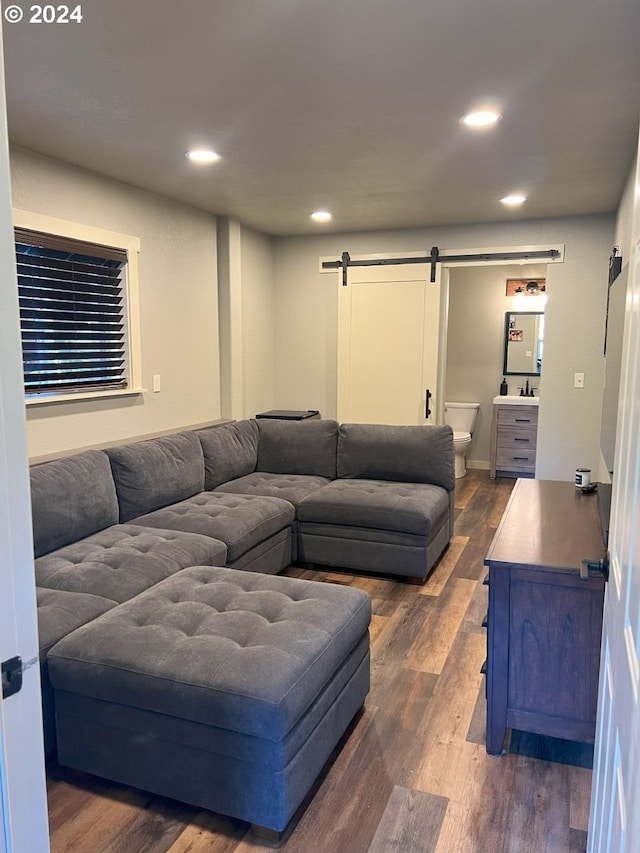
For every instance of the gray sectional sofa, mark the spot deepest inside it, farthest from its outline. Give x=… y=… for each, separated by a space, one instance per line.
x=165 y=667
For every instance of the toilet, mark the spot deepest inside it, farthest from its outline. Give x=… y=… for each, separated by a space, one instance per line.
x=462 y=417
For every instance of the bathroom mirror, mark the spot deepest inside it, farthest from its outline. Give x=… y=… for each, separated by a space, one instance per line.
x=523 y=341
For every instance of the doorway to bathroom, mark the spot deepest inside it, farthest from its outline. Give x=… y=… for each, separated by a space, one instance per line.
x=473 y=345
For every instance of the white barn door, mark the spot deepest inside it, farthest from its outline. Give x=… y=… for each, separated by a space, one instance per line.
x=388 y=333
x=615 y=801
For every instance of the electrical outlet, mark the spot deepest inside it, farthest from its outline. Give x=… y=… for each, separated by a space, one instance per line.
x=578 y=380
x=156 y=382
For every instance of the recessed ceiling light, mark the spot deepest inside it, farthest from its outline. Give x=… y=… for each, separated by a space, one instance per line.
x=321 y=216
x=513 y=200
x=202 y=155
x=481 y=118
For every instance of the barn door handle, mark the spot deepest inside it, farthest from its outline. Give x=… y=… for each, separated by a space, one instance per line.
x=427 y=407
x=11 y=676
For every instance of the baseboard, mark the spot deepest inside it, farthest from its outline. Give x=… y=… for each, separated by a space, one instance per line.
x=477 y=463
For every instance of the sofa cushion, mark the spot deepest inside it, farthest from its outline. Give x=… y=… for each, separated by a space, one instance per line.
x=60 y=612
x=125 y=559
x=406 y=454
x=230 y=451
x=298 y=447
x=240 y=521
x=71 y=498
x=243 y=652
x=415 y=508
x=154 y=473
x=290 y=487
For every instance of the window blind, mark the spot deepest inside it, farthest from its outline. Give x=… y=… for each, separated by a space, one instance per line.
x=72 y=313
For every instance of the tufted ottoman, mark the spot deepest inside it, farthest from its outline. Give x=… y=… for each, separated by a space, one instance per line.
x=224 y=689
x=376 y=525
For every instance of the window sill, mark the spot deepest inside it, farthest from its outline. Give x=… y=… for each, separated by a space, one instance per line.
x=49 y=399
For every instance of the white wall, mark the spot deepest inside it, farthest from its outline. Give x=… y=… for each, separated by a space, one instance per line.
x=624 y=219
x=247 y=320
x=306 y=329
x=258 y=322
x=306 y=324
x=569 y=419
x=475 y=342
x=178 y=304
x=623 y=239
x=230 y=317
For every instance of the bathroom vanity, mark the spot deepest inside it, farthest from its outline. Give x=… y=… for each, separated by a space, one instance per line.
x=514 y=434
x=546 y=592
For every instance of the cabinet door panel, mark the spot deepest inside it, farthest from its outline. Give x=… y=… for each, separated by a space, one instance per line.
x=554 y=647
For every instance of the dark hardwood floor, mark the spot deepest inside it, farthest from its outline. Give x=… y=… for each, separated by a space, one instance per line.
x=412 y=775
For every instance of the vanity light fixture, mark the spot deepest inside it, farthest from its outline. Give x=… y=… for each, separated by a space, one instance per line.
x=513 y=200
x=202 y=155
x=321 y=216
x=526 y=287
x=532 y=287
x=481 y=118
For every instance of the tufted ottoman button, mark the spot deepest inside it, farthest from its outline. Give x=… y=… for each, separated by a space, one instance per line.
x=225 y=689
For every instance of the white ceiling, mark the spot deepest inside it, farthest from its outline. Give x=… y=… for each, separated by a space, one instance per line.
x=350 y=105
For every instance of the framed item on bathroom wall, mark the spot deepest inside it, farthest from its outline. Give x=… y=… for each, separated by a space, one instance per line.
x=523 y=343
x=526 y=286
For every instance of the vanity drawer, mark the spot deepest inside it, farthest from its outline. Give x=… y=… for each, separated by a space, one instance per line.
x=517 y=416
x=519 y=437
x=516 y=459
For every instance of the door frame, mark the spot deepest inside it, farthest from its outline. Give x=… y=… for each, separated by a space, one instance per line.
x=23 y=801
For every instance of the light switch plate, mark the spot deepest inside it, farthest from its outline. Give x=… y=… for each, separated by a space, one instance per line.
x=578 y=380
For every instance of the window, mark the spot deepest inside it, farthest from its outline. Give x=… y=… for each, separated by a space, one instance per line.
x=75 y=313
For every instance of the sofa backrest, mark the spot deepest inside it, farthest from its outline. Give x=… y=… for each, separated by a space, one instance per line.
x=405 y=454
x=230 y=451
x=157 y=472
x=298 y=447
x=71 y=498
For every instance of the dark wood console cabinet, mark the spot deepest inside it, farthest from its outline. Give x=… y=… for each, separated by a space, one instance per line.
x=544 y=621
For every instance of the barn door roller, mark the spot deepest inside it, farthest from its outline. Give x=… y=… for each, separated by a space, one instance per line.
x=434 y=257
